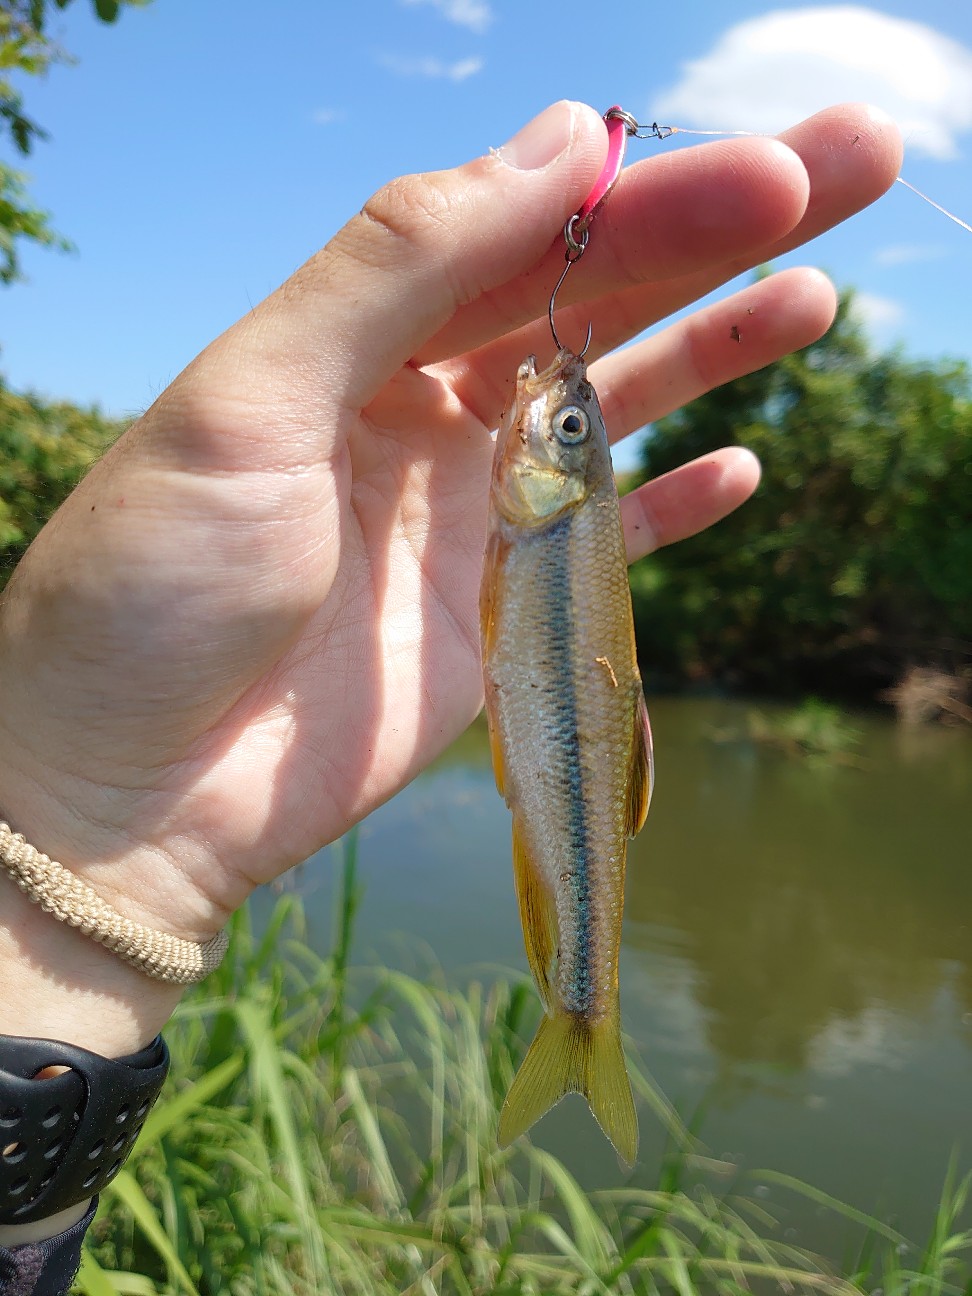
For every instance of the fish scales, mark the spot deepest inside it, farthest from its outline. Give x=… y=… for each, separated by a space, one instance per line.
x=556 y=705
x=568 y=732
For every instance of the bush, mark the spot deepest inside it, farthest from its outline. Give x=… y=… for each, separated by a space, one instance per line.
x=45 y=450
x=854 y=560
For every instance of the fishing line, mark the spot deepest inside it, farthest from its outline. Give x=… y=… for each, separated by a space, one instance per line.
x=654 y=131
x=622 y=126
x=932 y=203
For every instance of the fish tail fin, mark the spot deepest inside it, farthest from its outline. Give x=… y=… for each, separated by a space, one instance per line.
x=570 y=1054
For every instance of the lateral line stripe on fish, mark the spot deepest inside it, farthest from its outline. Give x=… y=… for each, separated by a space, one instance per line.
x=586 y=954
x=573 y=959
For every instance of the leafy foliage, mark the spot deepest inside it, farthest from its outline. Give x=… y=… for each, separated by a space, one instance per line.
x=854 y=560
x=19 y=219
x=27 y=50
x=45 y=449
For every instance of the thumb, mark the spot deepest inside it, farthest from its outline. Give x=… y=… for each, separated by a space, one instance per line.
x=425 y=245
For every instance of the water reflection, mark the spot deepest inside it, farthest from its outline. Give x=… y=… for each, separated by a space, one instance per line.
x=812 y=901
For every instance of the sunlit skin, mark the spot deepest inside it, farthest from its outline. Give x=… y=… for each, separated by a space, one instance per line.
x=256 y=618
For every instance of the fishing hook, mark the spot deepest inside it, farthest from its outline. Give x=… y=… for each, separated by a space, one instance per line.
x=575 y=250
x=620 y=125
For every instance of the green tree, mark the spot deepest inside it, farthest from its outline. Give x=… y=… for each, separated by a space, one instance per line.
x=27 y=50
x=45 y=448
x=854 y=560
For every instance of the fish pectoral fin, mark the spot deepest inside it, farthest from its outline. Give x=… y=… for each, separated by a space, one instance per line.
x=641 y=775
x=496 y=752
x=538 y=915
x=572 y=1055
x=494 y=560
x=496 y=550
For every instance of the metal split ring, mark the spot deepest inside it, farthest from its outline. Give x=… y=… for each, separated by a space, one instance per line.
x=576 y=245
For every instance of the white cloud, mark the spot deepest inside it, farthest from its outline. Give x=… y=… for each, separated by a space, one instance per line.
x=896 y=254
x=464 y=68
x=326 y=116
x=873 y=1039
x=768 y=72
x=474 y=14
x=877 y=314
x=434 y=68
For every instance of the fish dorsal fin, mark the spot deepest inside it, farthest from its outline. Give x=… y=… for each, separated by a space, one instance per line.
x=538 y=916
x=641 y=775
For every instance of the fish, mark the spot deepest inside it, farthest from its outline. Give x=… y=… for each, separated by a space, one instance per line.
x=569 y=733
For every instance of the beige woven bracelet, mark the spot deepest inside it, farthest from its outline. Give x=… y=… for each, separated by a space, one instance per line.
x=71 y=901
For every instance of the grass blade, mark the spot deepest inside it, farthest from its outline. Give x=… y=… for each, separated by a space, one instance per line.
x=125 y=1188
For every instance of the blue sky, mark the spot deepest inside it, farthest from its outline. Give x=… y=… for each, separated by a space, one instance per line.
x=200 y=150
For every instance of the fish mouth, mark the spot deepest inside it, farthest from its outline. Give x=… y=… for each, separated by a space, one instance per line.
x=565 y=367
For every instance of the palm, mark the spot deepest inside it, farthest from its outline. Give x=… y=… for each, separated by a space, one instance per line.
x=386 y=672
x=256 y=618
x=288 y=647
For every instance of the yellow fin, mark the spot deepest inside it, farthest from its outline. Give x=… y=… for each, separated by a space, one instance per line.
x=496 y=549
x=496 y=751
x=641 y=775
x=571 y=1055
x=494 y=561
x=538 y=916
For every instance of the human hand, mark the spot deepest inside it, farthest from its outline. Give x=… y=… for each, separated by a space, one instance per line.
x=256 y=618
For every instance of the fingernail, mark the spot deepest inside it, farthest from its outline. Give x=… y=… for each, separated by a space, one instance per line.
x=541 y=140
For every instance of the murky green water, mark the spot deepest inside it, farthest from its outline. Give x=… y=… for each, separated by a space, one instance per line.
x=797 y=960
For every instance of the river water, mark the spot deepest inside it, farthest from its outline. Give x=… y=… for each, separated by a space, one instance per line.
x=796 y=969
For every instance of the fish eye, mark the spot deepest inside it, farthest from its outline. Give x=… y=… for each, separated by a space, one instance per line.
x=571 y=424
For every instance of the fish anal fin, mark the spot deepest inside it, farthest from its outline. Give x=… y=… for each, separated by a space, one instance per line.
x=570 y=1054
x=538 y=915
x=641 y=774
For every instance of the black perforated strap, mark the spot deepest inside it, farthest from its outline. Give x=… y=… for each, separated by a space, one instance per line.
x=63 y=1138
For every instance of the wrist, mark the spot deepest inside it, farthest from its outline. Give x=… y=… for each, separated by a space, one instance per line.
x=58 y=984
x=111 y=841
x=89 y=788
x=15 y=1235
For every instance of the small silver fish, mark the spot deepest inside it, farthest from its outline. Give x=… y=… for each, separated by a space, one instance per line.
x=569 y=733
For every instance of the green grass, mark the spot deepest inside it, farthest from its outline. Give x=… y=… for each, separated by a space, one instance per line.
x=333 y=1131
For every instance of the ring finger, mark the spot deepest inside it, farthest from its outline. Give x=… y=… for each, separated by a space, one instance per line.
x=745 y=332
